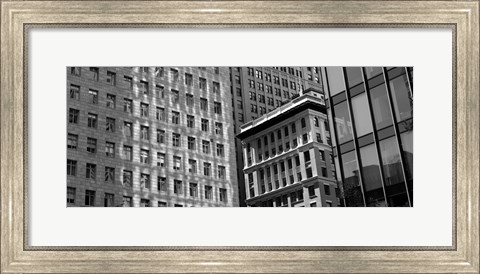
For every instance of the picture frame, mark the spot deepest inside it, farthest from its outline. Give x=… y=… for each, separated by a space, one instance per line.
x=461 y=17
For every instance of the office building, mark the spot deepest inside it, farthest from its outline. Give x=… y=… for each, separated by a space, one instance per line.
x=150 y=137
x=259 y=90
x=371 y=112
x=288 y=156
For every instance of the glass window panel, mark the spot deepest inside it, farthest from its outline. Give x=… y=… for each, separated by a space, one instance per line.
x=402 y=99
x=354 y=76
x=381 y=107
x=343 y=123
x=351 y=182
x=392 y=172
x=372 y=71
x=335 y=80
x=363 y=122
x=407 y=143
x=372 y=180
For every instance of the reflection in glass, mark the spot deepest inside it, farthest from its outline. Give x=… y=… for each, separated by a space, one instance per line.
x=381 y=107
x=343 y=122
x=372 y=180
x=401 y=97
x=351 y=182
x=363 y=123
x=354 y=76
x=335 y=80
x=407 y=143
x=392 y=172
x=372 y=71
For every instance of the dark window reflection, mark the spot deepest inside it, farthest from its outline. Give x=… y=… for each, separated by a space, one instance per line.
x=335 y=80
x=372 y=71
x=407 y=143
x=381 y=108
x=392 y=172
x=363 y=124
x=372 y=180
x=343 y=123
x=354 y=76
x=402 y=99
x=351 y=182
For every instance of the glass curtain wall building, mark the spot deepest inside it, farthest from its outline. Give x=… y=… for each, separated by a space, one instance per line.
x=371 y=116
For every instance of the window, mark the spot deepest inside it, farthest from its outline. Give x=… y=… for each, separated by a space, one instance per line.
x=109 y=175
x=297 y=160
x=127 y=129
x=204 y=125
x=299 y=176
x=110 y=149
x=304 y=124
x=71 y=195
x=177 y=163
x=177 y=187
x=160 y=114
x=294 y=128
x=145 y=180
x=207 y=169
x=222 y=194
x=192 y=166
x=175 y=96
x=71 y=167
x=160 y=136
x=159 y=91
x=188 y=79
x=319 y=138
x=237 y=79
x=74 y=92
x=202 y=84
x=144 y=133
x=111 y=78
x=220 y=150
x=89 y=198
x=159 y=71
x=175 y=117
x=253 y=108
x=127 y=105
x=324 y=172
x=161 y=184
x=216 y=87
x=208 y=193
x=110 y=124
x=305 y=138
x=127 y=152
x=127 y=201
x=190 y=102
x=127 y=178
x=251 y=84
x=143 y=110
x=326 y=188
x=93 y=96
x=287 y=146
x=162 y=204
x=144 y=203
x=91 y=145
x=145 y=69
x=92 y=120
x=270 y=101
x=193 y=190
x=260 y=86
x=191 y=143
x=91 y=171
x=144 y=156
x=176 y=140
x=76 y=71
x=217 y=108
x=160 y=159
x=94 y=72
x=128 y=82
x=206 y=146
x=295 y=142
x=309 y=172
x=72 y=141
x=73 y=115
x=203 y=104
x=111 y=101
x=221 y=172
x=174 y=74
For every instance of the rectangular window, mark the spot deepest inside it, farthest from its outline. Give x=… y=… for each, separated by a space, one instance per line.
x=89 y=198
x=127 y=105
x=218 y=128
x=127 y=201
x=110 y=124
x=92 y=120
x=95 y=72
x=160 y=136
x=160 y=114
x=144 y=156
x=74 y=92
x=220 y=150
x=111 y=78
x=144 y=203
x=324 y=172
x=111 y=100
x=190 y=121
x=192 y=166
x=143 y=110
x=109 y=175
x=159 y=71
x=193 y=190
x=204 y=104
x=161 y=159
x=208 y=193
x=144 y=133
x=73 y=115
x=145 y=181
x=176 y=140
x=76 y=71
x=71 y=193
x=93 y=96
x=326 y=188
x=217 y=107
x=289 y=161
x=175 y=117
x=91 y=145
x=188 y=79
x=222 y=194
x=191 y=143
x=128 y=82
x=202 y=84
x=189 y=101
x=71 y=167
x=110 y=149
x=221 y=172
x=207 y=169
x=175 y=96
x=91 y=171
x=305 y=138
x=309 y=172
x=174 y=75
x=216 y=87
x=127 y=178
x=204 y=125
x=177 y=163
x=177 y=187
x=159 y=91
x=127 y=152
x=206 y=146
x=72 y=141
x=162 y=184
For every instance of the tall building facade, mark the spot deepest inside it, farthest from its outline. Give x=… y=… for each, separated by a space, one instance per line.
x=150 y=137
x=371 y=112
x=288 y=156
x=259 y=90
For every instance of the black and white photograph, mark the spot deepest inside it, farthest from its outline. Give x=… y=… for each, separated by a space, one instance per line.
x=239 y=136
